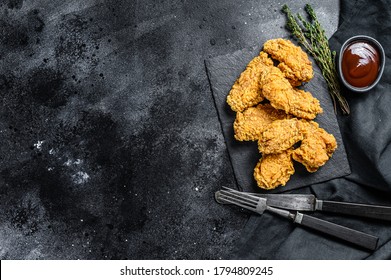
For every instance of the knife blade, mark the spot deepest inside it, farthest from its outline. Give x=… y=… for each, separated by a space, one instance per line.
x=299 y=202
x=308 y=202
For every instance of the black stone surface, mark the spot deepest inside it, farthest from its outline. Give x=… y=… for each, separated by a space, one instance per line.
x=223 y=72
x=110 y=142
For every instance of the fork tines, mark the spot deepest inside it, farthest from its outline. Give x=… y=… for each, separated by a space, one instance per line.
x=238 y=198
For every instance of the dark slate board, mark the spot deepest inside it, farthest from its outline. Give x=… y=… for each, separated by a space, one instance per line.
x=222 y=72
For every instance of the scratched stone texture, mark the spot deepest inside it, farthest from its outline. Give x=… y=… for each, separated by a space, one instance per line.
x=110 y=142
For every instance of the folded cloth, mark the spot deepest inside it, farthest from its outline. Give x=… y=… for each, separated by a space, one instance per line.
x=366 y=133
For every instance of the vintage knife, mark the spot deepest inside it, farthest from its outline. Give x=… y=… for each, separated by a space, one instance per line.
x=308 y=202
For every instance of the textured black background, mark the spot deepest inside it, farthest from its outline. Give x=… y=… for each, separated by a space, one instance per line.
x=110 y=142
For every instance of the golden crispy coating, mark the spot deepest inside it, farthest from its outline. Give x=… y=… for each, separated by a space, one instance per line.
x=316 y=148
x=294 y=62
x=250 y=123
x=246 y=92
x=278 y=126
x=280 y=136
x=281 y=94
x=274 y=170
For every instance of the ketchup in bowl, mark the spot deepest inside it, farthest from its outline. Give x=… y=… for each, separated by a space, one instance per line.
x=361 y=63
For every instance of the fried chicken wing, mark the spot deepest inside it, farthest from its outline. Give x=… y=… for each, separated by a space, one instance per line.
x=274 y=170
x=247 y=92
x=280 y=135
x=281 y=94
x=250 y=123
x=294 y=62
x=316 y=147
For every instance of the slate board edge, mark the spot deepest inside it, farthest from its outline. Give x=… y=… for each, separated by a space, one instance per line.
x=281 y=188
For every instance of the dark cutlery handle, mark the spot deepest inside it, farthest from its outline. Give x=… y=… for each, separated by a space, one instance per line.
x=353 y=236
x=362 y=210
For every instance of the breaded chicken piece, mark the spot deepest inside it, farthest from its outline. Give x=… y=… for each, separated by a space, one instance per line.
x=280 y=136
x=274 y=170
x=250 y=123
x=246 y=91
x=281 y=94
x=294 y=62
x=316 y=147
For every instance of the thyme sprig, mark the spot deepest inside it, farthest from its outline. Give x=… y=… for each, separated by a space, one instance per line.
x=311 y=36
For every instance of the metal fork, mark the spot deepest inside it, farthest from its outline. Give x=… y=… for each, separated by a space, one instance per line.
x=258 y=205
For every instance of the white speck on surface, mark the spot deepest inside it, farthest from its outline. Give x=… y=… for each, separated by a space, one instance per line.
x=69 y=162
x=52 y=151
x=80 y=177
x=38 y=145
x=197 y=189
x=50 y=168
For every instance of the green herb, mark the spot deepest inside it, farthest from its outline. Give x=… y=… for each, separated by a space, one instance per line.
x=311 y=36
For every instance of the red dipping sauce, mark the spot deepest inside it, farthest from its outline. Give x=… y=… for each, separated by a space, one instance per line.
x=360 y=64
